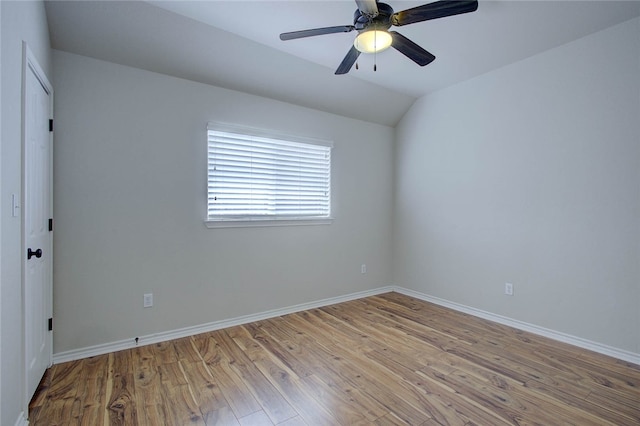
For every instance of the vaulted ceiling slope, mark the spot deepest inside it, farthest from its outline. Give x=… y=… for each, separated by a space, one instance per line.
x=235 y=44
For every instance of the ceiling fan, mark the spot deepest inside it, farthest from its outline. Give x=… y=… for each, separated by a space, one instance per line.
x=372 y=20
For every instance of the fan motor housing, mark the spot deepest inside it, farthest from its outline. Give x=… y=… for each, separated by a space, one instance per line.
x=382 y=21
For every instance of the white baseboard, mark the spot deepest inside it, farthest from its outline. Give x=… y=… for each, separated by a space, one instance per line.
x=101 y=349
x=217 y=325
x=520 y=325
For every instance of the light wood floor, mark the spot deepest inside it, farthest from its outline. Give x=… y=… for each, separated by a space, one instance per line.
x=383 y=360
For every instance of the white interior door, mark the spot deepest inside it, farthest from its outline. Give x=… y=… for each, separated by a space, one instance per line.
x=37 y=239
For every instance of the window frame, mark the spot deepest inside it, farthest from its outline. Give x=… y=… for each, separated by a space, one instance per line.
x=266 y=220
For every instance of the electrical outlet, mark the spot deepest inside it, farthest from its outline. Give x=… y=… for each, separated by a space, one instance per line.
x=148 y=300
x=363 y=269
x=508 y=289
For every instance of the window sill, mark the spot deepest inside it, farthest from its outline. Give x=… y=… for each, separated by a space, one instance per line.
x=254 y=223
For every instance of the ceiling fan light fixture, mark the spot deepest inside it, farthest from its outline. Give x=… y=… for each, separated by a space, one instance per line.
x=372 y=41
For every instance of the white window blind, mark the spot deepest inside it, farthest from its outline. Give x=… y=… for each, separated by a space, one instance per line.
x=256 y=177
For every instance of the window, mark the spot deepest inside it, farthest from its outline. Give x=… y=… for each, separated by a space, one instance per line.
x=259 y=178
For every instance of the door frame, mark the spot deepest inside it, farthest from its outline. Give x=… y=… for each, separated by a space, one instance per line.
x=30 y=64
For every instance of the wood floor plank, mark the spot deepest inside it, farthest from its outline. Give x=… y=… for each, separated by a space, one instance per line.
x=213 y=405
x=91 y=391
x=418 y=324
x=339 y=400
x=278 y=349
x=43 y=389
x=299 y=396
x=180 y=407
x=179 y=403
x=206 y=392
x=186 y=350
x=609 y=362
x=623 y=412
x=466 y=328
x=121 y=401
x=147 y=384
x=207 y=348
x=91 y=415
x=503 y=404
x=397 y=331
x=329 y=386
x=439 y=399
x=334 y=359
x=327 y=363
x=259 y=418
x=57 y=407
x=391 y=420
x=296 y=421
x=234 y=389
x=272 y=402
x=388 y=359
x=610 y=409
x=222 y=416
x=164 y=352
x=40 y=397
x=615 y=382
x=501 y=388
x=527 y=369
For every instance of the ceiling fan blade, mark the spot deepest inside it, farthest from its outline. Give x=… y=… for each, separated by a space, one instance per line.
x=316 y=31
x=368 y=7
x=435 y=10
x=411 y=50
x=348 y=61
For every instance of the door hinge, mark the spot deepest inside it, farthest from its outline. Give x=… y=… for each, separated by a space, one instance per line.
x=51 y=125
x=50 y=224
x=50 y=324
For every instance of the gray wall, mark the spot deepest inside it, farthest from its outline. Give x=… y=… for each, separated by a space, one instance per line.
x=130 y=193
x=531 y=175
x=20 y=21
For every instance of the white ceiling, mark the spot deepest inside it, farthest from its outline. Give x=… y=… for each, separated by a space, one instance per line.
x=235 y=44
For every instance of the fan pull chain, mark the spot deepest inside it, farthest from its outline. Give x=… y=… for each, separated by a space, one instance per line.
x=357 y=67
x=375 y=51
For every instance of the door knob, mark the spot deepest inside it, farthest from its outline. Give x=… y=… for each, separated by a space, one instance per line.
x=31 y=253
